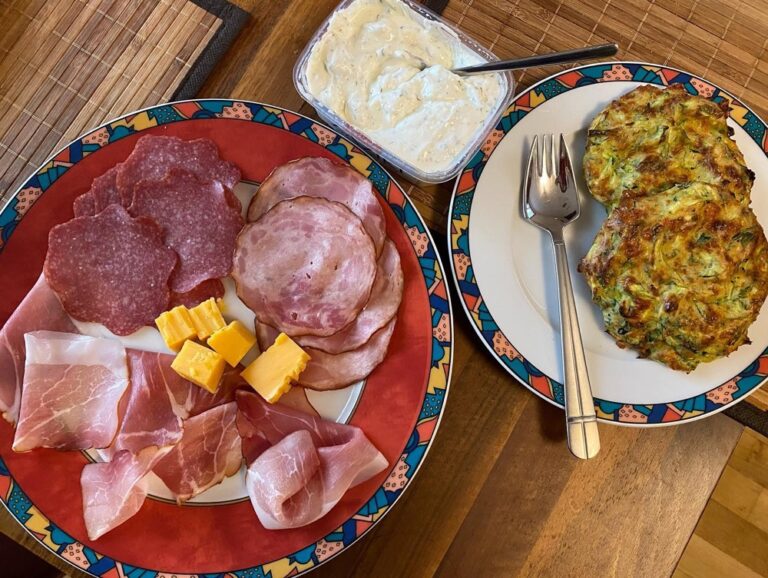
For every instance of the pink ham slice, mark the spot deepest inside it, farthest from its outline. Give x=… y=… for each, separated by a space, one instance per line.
x=197 y=221
x=326 y=371
x=103 y=193
x=114 y=491
x=207 y=289
x=319 y=177
x=296 y=398
x=155 y=156
x=40 y=310
x=382 y=306
x=111 y=269
x=300 y=466
x=208 y=452
x=73 y=385
x=306 y=267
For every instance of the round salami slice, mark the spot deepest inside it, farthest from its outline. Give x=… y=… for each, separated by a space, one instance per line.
x=306 y=267
x=382 y=306
x=103 y=193
x=111 y=269
x=325 y=371
x=319 y=177
x=198 y=222
x=207 y=289
x=154 y=157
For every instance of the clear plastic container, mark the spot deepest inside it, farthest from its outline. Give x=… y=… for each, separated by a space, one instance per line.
x=357 y=136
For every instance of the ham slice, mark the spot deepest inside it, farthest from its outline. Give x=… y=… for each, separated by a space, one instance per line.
x=300 y=466
x=306 y=267
x=296 y=398
x=382 y=306
x=207 y=289
x=111 y=269
x=208 y=452
x=320 y=177
x=114 y=491
x=103 y=193
x=39 y=310
x=73 y=385
x=326 y=371
x=154 y=157
x=197 y=221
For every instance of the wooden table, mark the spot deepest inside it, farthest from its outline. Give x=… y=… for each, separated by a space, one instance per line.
x=499 y=495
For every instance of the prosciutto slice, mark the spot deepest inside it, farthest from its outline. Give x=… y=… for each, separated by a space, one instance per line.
x=326 y=371
x=40 y=309
x=103 y=193
x=306 y=267
x=72 y=388
x=154 y=157
x=114 y=491
x=208 y=452
x=300 y=466
x=382 y=306
x=320 y=177
x=111 y=269
x=197 y=221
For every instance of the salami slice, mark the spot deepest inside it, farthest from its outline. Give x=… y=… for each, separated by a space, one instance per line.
x=207 y=289
x=154 y=157
x=319 y=177
x=198 y=222
x=110 y=269
x=382 y=306
x=306 y=267
x=325 y=371
x=103 y=193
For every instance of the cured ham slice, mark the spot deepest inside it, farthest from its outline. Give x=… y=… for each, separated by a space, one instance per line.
x=72 y=388
x=326 y=371
x=155 y=156
x=320 y=177
x=197 y=221
x=382 y=306
x=103 y=193
x=111 y=269
x=39 y=310
x=208 y=452
x=114 y=491
x=306 y=267
x=296 y=398
x=207 y=289
x=300 y=466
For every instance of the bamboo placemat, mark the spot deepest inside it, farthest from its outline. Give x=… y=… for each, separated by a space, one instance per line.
x=69 y=65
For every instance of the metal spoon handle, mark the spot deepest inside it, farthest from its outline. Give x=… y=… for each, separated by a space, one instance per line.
x=588 y=53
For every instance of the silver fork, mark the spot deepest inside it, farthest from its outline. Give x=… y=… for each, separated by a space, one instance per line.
x=550 y=200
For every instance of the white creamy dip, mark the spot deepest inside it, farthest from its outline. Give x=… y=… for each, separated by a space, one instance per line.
x=369 y=68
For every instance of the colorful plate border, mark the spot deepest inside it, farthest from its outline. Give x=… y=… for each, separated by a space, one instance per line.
x=86 y=559
x=714 y=400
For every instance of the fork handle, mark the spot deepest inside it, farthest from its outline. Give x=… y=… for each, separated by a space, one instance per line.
x=581 y=420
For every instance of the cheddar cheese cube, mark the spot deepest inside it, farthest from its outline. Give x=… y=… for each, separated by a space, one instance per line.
x=271 y=373
x=176 y=327
x=232 y=342
x=207 y=319
x=199 y=365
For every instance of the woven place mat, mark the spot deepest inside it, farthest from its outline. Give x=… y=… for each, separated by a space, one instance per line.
x=722 y=42
x=67 y=66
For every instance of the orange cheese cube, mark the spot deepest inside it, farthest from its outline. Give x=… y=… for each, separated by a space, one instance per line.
x=176 y=327
x=199 y=365
x=206 y=317
x=271 y=373
x=232 y=342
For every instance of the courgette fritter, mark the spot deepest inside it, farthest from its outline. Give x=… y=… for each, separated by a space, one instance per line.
x=651 y=139
x=679 y=275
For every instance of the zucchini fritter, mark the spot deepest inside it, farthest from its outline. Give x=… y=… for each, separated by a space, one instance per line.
x=651 y=139
x=680 y=275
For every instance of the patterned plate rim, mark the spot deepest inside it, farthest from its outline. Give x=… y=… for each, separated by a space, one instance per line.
x=432 y=409
x=690 y=409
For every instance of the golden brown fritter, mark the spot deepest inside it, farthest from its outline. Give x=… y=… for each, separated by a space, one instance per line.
x=651 y=139
x=680 y=275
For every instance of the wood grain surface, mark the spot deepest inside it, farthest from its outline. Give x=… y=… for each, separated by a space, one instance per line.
x=498 y=494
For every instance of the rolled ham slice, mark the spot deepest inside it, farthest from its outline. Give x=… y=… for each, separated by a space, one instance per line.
x=306 y=267
x=73 y=385
x=197 y=221
x=326 y=371
x=300 y=466
x=40 y=310
x=111 y=269
x=320 y=177
x=208 y=452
